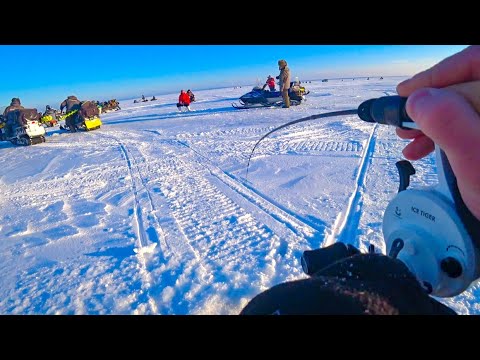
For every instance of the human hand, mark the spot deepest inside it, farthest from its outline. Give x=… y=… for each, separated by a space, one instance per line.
x=448 y=114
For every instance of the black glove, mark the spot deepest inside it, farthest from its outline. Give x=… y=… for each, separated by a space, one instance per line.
x=358 y=284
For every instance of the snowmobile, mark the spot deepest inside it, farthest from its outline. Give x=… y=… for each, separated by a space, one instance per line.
x=86 y=118
x=91 y=123
x=259 y=97
x=22 y=127
x=50 y=119
x=110 y=105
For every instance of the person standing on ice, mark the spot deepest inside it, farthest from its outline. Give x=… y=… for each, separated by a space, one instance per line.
x=348 y=282
x=284 y=83
x=183 y=100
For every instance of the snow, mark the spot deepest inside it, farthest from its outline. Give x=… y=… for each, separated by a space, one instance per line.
x=151 y=214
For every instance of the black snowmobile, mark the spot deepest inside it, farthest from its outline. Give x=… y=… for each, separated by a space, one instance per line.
x=259 y=97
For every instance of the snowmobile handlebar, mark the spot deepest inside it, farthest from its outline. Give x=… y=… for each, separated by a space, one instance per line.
x=63 y=117
x=386 y=110
x=390 y=110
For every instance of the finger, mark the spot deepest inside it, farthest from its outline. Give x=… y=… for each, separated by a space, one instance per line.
x=419 y=148
x=460 y=67
x=451 y=122
x=408 y=134
x=447 y=118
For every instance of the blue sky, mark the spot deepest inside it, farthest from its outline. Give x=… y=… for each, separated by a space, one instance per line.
x=47 y=74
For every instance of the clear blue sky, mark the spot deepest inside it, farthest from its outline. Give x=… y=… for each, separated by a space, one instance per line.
x=41 y=74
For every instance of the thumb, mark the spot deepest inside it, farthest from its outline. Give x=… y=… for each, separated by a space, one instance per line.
x=451 y=122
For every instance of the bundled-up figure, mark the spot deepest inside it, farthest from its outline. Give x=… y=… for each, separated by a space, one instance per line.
x=49 y=117
x=183 y=101
x=15 y=104
x=191 y=95
x=49 y=110
x=83 y=115
x=284 y=78
x=21 y=126
x=270 y=82
x=71 y=104
x=110 y=105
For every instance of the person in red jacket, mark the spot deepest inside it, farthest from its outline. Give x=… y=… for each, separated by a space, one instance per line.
x=270 y=82
x=183 y=100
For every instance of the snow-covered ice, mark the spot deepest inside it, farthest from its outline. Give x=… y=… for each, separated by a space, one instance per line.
x=151 y=214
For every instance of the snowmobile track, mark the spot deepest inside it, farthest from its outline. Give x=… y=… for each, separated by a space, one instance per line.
x=296 y=223
x=180 y=185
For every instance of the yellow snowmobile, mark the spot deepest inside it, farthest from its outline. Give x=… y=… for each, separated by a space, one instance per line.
x=48 y=120
x=87 y=117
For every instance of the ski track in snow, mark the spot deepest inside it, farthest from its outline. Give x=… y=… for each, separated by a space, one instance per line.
x=148 y=239
x=152 y=215
x=347 y=221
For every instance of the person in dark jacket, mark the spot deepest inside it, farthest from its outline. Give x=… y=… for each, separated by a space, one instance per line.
x=9 y=122
x=50 y=111
x=348 y=282
x=191 y=95
x=71 y=103
x=14 y=104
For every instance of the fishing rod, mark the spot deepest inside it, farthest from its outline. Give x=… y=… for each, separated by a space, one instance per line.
x=308 y=118
x=429 y=229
